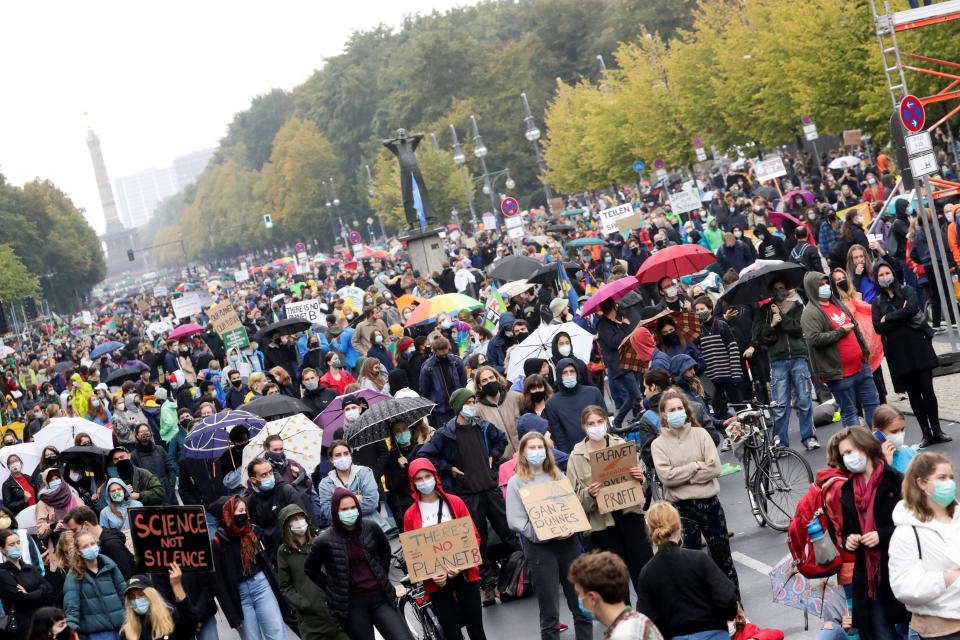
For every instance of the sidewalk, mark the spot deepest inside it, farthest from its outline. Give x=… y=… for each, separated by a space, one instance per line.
x=947 y=387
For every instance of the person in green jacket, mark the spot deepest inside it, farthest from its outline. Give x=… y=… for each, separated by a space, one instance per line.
x=309 y=600
x=93 y=592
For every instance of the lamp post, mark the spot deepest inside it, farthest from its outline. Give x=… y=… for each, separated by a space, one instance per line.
x=336 y=204
x=373 y=194
x=436 y=145
x=533 y=135
x=461 y=159
x=326 y=197
x=480 y=151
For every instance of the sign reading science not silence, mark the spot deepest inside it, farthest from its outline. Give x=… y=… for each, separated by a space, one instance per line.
x=170 y=535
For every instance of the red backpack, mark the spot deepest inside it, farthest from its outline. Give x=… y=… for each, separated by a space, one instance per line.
x=812 y=507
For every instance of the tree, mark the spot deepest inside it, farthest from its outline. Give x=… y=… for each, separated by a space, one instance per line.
x=252 y=131
x=16 y=280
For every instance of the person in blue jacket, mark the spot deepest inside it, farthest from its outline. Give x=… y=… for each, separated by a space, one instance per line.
x=672 y=342
x=441 y=375
x=344 y=344
x=565 y=406
x=497 y=348
x=354 y=477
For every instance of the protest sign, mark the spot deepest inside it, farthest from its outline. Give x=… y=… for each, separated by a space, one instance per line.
x=186 y=305
x=170 y=535
x=554 y=509
x=160 y=291
x=241 y=275
x=769 y=169
x=628 y=224
x=611 y=468
x=308 y=310
x=451 y=544
x=852 y=137
x=556 y=206
x=227 y=323
x=686 y=200
x=609 y=217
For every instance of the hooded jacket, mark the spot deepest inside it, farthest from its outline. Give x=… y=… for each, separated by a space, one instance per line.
x=431 y=380
x=263 y=507
x=714 y=235
x=565 y=406
x=784 y=341
x=110 y=520
x=458 y=509
x=583 y=376
x=819 y=334
x=497 y=349
x=362 y=482
x=154 y=459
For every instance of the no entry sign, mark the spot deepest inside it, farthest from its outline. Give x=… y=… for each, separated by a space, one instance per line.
x=509 y=207
x=912 y=113
x=355 y=237
x=300 y=248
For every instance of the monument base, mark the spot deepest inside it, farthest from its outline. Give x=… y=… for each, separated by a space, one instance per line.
x=425 y=249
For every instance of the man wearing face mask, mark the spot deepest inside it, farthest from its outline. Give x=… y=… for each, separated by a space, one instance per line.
x=671 y=297
x=442 y=374
x=363 y=336
x=269 y=495
x=143 y=485
x=565 y=406
x=505 y=338
x=315 y=395
x=236 y=391
x=147 y=455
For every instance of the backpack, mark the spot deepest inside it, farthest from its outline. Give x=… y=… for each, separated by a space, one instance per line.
x=514 y=581
x=811 y=506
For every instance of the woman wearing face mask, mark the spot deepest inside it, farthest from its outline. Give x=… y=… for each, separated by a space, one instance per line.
x=687 y=463
x=336 y=377
x=49 y=459
x=50 y=623
x=403 y=450
x=536 y=392
x=923 y=566
x=672 y=342
x=357 y=478
x=497 y=405
x=548 y=560
x=874 y=191
x=350 y=560
x=314 y=356
x=890 y=427
x=455 y=595
x=56 y=498
x=908 y=349
x=115 y=515
x=868 y=499
x=154 y=459
x=369 y=376
x=22 y=585
x=148 y=615
x=624 y=531
x=562 y=347
x=18 y=493
x=851 y=233
x=378 y=350
x=93 y=593
x=244 y=581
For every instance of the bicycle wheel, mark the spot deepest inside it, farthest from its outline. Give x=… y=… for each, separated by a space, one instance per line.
x=411 y=615
x=780 y=482
x=753 y=499
x=431 y=624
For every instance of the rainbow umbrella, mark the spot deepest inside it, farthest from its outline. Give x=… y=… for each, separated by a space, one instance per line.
x=449 y=303
x=186 y=286
x=282 y=261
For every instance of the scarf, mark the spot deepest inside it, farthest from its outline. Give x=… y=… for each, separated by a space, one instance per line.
x=248 y=539
x=864 y=494
x=61 y=500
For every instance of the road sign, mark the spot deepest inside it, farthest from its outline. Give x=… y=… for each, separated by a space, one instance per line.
x=638 y=166
x=923 y=165
x=701 y=154
x=355 y=237
x=512 y=222
x=697 y=143
x=918 y=144
x=300 y=247
x=806 y=120
x=661 y=174
x=509 y=207
x=810 y=131
x=912 y=113
x=658 y=164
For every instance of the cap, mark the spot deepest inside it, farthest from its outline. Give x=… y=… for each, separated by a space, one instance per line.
x=161 y=394
x=102 y=385
x=137 y=582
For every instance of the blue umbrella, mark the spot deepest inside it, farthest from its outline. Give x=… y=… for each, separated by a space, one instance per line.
x=211 y=437
x=586 y=242
x=105 y=348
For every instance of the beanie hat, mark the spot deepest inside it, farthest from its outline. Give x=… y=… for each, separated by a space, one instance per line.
x=557 y=305
x=405 y=344
x=161 y=394
x=459 y=398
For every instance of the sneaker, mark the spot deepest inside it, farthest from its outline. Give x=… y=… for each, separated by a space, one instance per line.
x=812 y=444
x=489 y=597
x=725 y=444
x=562 y=627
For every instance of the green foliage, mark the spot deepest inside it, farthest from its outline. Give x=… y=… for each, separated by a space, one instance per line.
x=250 y=135
x=15 y=280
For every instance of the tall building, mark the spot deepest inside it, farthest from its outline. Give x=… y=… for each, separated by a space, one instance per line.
x=139 y=194
x=109 y=205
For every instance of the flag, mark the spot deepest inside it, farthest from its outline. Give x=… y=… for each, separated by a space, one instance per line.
x=495 y=306
x=590 y=283
x=565 y=287
x=418 y=204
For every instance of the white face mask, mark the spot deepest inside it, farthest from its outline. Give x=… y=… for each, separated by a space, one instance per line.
x=670 y=291
x=351 y=414
x=855 y=461
x=897 y=438
x=75 y=475
x=597 y=433
x=299 y=527
x=564 y=349
x=343 y=463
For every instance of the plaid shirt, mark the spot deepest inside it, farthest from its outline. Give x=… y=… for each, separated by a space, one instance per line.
x=828 y=235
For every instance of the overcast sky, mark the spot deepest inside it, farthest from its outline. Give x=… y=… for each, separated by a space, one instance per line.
x=160 y=79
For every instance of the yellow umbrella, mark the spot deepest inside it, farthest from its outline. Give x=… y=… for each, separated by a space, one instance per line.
x=301 y=441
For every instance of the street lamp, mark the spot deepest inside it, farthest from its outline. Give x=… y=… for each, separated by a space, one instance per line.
x=533 y=135
x=481 y=152
x=461 y=159
x=336 y=202
x=603 y=72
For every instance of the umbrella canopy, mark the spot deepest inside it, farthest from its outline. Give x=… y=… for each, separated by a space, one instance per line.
x=285 y=327
x=806 y=195
x=539 y=344
x=331 y=418
x=793 y=590
x=569 y=213
x=586 y=242
x=211 y=437
x=448 y=303
x=776 y=218
x=89 y=456
x=766 y=192
x=157 y=328
x=137 y=364
x=407 y=300
x=63 y=366
x=610 y=291
x=352 y=293
x=547 y=273
x=560 y=228
x=186 y=286
x=7 y=350
x=276 y=404
x=688 y=324
x=515 y=288
x=302 y=441
x=29 y=454
x=675 y=262
x=118 y=376
x=513 y=268
x=892 y=206
x=844 y=162
x=105 y=348
x=375 y=424
x=185 y=331
x=755 y=285
x=62 y=432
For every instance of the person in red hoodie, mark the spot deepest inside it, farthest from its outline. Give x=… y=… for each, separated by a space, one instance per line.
x=457 y=589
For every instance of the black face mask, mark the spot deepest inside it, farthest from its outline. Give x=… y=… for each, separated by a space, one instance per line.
x=671 y=338
x=240 y=519
x=125 y=470
x=491 y=389
x=236 y=383
x=50 y=460
x=538 y=396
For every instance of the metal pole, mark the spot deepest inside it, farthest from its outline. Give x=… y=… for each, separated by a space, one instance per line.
x=478 y=142
x=383 y=231
x=459 y=158
x=941 y=268
x=533 y=135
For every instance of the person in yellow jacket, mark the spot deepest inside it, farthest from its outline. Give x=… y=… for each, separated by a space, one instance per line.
x=80 y=391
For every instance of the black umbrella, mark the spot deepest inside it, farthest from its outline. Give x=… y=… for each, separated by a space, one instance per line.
x=376 y=423
x=64 y=366
x=118 y=376
x=285 y=327
x=764 y=191
x=89 y=456
x=560 y=228
x=755 y=285
x=513 y=268
x=276 y=404
x=547 y=273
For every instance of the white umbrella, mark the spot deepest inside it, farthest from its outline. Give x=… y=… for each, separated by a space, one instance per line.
x=158 y=328
x=844 y=162
x=515 y=287
x=29 y=454
x=353 y=293
x=302 y=440
x=61 y=433
x=539 y=344
x=27 y=519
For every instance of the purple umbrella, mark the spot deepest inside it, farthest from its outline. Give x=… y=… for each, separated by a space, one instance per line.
x=137 y=364
x=185 y=331
x=806 y=195
x=331 y=418
x=610 y=291
x=211 y=437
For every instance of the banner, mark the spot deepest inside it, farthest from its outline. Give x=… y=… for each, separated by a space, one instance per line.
x=852 y=137
x=186 y=305
x=554 y=509
x=170 y=535
x=611 y=468
x=769 y=169
x=308 y=310
x=428 y=551
x=160 y=291
x=227 y=323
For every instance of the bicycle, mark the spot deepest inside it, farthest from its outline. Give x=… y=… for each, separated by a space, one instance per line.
x=414 y=605
x=775 y=477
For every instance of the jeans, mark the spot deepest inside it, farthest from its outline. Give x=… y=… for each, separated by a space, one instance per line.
x=851 y=389
x=880 y=626
x=261 y=613
x=915 y=4
x=789 y=377
x=457 y=604
x=369 y=612
x=208 y=631
x=625 y=394
x=549 y=563
x=212 y=524
x=705 y=635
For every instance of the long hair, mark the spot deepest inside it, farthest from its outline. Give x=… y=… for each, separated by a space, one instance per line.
x=531 y=381
x=280 y=375
x=846 y=231
x=677 y=392
x=658 y=337
x=42 y=622
x=867 y=266
x=663 y=522
x=370 y=369
x=524 y=469
x=79 y=565
x=65 y=550
x=846 y=293
x=922 y=466
x=290 y=539
x=480 y=370
x=161 y=620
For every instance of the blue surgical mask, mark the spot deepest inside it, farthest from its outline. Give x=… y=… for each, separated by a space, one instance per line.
x=91 y=552
x=569 y=381
x=378 y=339
x=677 y=419
x=15 y=553
x=537 y=457
x=469 y=412
x=55 y=484
x=404 y=438
x=426 y=487
x=268 y=483
x=349 y=517
x=823 y=291
x=944 y=493
x=112 y=472
x=140 y=605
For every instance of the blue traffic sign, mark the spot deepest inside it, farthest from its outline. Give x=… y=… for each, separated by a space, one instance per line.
x=355 y=238
x=638 y=166
x=658 y=163
x=509 y=207
x=912 y=113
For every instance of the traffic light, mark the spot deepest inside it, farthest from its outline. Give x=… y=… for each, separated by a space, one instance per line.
x=30 y=307
x=130 y=255
x=268 y=221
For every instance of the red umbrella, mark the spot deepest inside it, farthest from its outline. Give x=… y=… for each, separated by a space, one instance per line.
x=610 y=291
x=185 y=331
x=675 y=262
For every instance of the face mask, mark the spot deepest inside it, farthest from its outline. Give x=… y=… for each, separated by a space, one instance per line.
x=944 y=492
x=872 y=181
x=94 y=402
x=410 y=351
x=823 y=291
x=426 y=487
x=240 y=519
x=75 y=476
x=311 y=385
x=608 y=259
x=897 y=439
x=670 y=292
x=855 y=462
x=446 y=324
x=738 y=234
x=404 y=437
x=268 y=483
x=597 y=433
x=299 y=527
x=538 y=396
x=886 y=283
x=349 y=316
x=351 y=414
x=677 y=419
x=349 y=517
x=91 y=552
x=758 y=208
x=536 y=458
x=55 y=484
x=5 y=523
x=145 y=439
x=117 y=497
x=704 y=316
x=469 y=412
x=15 y=553
x=112 y=472
x=508 y=334
x=564 y=350
x=51 y=461
x=406 y=315
x=732 y=209
x=343 y=463
x=234 y=358
x=121 y=407
x=140 y=606
x=569 y=381
x=335 y=364
x=378 y=339
x=16 y=467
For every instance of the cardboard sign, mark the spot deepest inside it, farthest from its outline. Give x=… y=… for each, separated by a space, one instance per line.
x=609 y=217
x=628 y=224
x=227 y=323
x=160 y=291
x=556 y=206
x=686 y=200
x=186 y=305
x=308 y=310
x=553 y=509
x=769 y=169
x=143 y=307
x=450 y=544
x=852 y=137
x=611 y=468
x=166 y=535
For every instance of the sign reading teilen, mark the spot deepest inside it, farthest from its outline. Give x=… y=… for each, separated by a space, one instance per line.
x=170 y=535
x=609 y=217
x=430 y=550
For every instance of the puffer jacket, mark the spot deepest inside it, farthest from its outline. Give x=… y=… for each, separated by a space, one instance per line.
x=95 y=603
x=38 y=592
x=919 y=554
x=821 y=337
x=155 y=460
x=580 y=475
